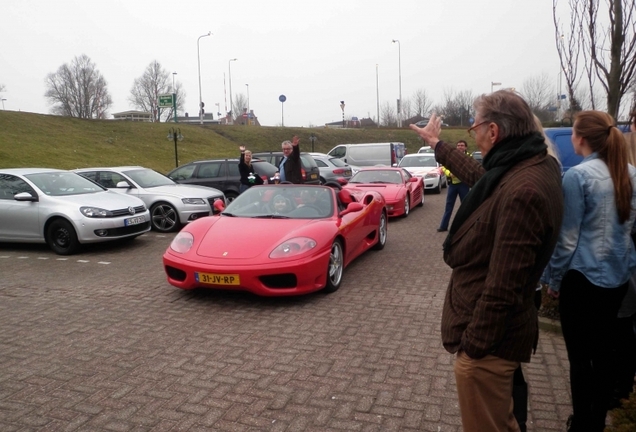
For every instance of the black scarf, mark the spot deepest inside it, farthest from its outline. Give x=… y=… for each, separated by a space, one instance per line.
x=504 y=155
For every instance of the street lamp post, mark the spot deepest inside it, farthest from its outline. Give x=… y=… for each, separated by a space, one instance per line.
x=248 y=103
x=199 y=65
x=174 y=98
x=229 y=67
x=493 y=84
x=175 y=134
x=399 y=104
x=312 y=138
x=342 y=105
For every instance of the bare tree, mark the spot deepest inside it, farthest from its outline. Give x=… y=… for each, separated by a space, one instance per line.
x=78 y=90
x=2 y=88
x=609 y=50
x=456 y=106
x=422 y=103
x=407 y=109
x=146 y=89
x=537 y=91
x=240 y=107
x=388 y=115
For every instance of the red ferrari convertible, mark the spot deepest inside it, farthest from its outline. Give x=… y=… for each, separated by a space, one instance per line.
x=278 y=240
x=400 y=189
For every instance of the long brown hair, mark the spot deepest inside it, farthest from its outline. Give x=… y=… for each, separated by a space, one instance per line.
x=598 y=130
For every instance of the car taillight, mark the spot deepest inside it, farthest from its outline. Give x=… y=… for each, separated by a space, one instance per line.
x=302 y=172
x=339 y=171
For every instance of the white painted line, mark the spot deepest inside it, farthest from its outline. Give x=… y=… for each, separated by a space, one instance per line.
x=43 y=258
x=103 y=262
x=5 y=256
x=23 y=257
x=83 y=261
x=61 y=259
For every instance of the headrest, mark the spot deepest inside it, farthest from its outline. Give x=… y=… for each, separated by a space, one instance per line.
x=345 y=196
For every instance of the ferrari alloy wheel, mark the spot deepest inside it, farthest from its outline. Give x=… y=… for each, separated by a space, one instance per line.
x=407 y=206
x=164 y=217
x=382 y=230
x=62 y=238
x=335 y=268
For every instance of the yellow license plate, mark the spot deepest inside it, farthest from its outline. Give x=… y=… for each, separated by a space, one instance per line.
x=313 y=176
x=217 y=279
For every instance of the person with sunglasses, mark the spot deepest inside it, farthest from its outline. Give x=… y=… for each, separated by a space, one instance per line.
x=500 y=241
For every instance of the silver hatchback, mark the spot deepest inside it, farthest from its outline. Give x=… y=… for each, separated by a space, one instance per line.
x=65 y=210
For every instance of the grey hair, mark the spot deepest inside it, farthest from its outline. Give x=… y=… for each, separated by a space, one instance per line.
x=509 y=111
x=286 y=142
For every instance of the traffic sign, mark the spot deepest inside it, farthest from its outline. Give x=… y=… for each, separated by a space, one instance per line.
x=282 y=98
x=165 y=101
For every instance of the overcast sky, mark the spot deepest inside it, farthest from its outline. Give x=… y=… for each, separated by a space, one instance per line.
x=316 y=53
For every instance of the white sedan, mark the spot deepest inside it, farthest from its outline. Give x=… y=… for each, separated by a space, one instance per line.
x=65 y=210
x=424 y=165
x=171 y=205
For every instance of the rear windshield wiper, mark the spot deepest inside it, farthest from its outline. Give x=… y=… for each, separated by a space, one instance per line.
x=271 y=216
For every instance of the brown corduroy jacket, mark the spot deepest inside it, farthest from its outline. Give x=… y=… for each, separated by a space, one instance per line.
x=497 y=257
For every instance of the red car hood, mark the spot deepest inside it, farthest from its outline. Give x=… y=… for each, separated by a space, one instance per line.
x=388 y=191
x=240 y=238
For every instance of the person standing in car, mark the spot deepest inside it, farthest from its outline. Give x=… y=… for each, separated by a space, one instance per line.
x=290 y=166
x=249 y=177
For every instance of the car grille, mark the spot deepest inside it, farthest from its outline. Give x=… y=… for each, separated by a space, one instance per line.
x=132 y=229
x=284 y=280
x=125 y=212
x=175 y=273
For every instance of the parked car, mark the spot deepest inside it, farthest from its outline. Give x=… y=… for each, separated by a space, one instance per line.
x=561 y=139
x=400 y=189
x=303 y=248
x=478 y=157
x=221 y=174
x=424 y=122
x=65 y=210
x=309 y=169
x=426 y=149
x=332 y=169
x=171 y=205
x=369 y=154
x=425 y=166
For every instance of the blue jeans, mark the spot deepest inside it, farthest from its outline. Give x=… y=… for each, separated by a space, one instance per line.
x=454 y=190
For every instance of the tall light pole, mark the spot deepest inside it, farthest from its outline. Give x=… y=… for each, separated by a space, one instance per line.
x=248 y=103
x=377 y=92
x=493 y=84
x=199 y=64
x=399 y=104
x=174 y=99
x=342 y=106
x=229 y=67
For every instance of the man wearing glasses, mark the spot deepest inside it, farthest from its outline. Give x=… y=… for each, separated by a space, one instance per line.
x=498 y=245
x=290 y=165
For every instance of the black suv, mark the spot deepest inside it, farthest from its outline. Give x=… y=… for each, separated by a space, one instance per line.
x=309 y=169
x=221 y=174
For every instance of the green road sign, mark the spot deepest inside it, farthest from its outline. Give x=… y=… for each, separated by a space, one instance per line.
x=165 y=101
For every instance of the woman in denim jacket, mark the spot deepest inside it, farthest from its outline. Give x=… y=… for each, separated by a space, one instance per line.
x=593 y=261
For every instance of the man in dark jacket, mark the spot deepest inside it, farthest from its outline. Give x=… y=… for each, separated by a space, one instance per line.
x=290 y=165
x=499 y=243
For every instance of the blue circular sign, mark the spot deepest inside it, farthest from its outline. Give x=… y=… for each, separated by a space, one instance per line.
x=282 y=98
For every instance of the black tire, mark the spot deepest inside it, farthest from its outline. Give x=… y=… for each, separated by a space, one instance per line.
x=333 y=184
x=382 y=233
x=438 y=189
x=230 y=196
x=421 y=203
x=407 y=206
x=62 y=238
x=335 y=269
x=445 y=183
x=164 y=218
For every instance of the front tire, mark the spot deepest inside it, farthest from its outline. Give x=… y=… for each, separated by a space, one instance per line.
x=382 y=233
x=438 y=189
x=407 y=206
x=164 y=217
x=62 y=238
x=335 y=269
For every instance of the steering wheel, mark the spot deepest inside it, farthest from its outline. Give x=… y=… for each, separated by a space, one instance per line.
x=333 y=184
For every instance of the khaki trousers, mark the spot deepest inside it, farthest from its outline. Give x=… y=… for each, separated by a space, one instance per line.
x=484 y=387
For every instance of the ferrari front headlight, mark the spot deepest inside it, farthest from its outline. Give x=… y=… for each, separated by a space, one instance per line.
x=182 y=243
x=293 y=247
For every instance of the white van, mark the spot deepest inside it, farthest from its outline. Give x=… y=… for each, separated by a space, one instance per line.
x=369 y=154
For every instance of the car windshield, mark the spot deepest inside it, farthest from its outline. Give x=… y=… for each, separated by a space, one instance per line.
x=63 y=183
x=283 y=202
x=377 y=176
x=148 y=178
x=418 y=161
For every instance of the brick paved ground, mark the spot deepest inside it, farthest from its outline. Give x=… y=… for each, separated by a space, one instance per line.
x=100 y=342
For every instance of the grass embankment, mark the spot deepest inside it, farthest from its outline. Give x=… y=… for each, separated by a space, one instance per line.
x=37 y=140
